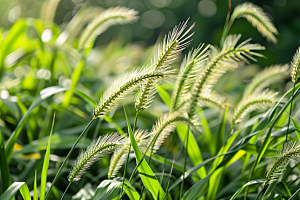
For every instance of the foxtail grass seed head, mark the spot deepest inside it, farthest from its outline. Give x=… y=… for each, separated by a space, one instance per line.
x=190 y=65
x=99 y=148
x=165 y=55
x=123 y=86
x=120 y=155
x=253 y=102
x=109 y=17
x=258 y=18
x=290 y=151
x=296 y=66
x=211 y=99
x=267 y=77
x=165 y=125
x=219 y=64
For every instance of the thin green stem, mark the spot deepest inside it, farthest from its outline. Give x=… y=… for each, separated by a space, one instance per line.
x=290 y=114
x=65 y=191
x=161 y=179
x=67 y=157
x=170 y=176
x=226 y=26
x=185 y=158
x=124 y=173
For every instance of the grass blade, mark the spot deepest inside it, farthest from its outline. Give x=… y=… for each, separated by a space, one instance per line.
x=195 y=190
x=46 y=164
x=108 y=189
x=75 y=78
x=5 y=174
x=44 y=94
x=35 y=191
x=297 y=127
x=164 y=96
x=13 y=189
x=149 y=179
x=258 y=181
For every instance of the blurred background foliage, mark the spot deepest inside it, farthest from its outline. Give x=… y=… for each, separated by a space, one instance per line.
x=157 y=17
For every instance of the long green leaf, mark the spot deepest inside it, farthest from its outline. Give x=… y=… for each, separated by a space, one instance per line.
x=4 y=169
x=258 y=181
x=149 y=179
x=297 y=127
x=13 y=189
x=75 y=78
x=108 y=189
x=44 y=94
x=35 y=190
x=164 y=96
x=57 y=142
x=196 y=189
x=45 y=165
x=194 y=169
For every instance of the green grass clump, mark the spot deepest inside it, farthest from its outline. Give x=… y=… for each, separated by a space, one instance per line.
x=199 y=140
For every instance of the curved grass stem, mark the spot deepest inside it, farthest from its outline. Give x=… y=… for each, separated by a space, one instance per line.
x=226 y=26
x=67 y=157
x=65 y=191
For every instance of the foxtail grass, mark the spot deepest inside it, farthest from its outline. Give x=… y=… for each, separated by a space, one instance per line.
x=253 y=102
x=109 y=17
x=167 y=51
x=231 y=52
x=265 y=78
x=99 y=148
x=258 y=18
x=165 y=125
x=290 y=151
x=296 y=66
x=188 y=70
x=120 y=155
x=123 y=86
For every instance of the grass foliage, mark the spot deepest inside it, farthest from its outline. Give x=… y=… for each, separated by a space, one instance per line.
x=198 y=141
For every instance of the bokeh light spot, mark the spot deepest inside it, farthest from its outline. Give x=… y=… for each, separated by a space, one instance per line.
x=207 y=8
x=14 y=14
x=4 y=94
x=160 y=3
x=152 y=19
x=46 y=35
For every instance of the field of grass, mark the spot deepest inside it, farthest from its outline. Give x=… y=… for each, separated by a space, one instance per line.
x=130 y=122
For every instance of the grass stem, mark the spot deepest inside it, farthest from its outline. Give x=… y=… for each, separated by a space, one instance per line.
x=65 y=191
x=67 y=157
